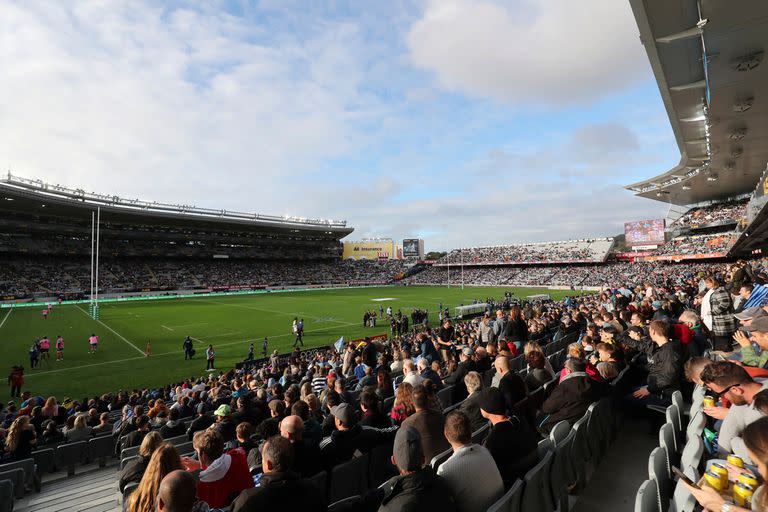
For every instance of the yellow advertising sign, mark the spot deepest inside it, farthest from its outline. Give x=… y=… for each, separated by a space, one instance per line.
x=369 y=250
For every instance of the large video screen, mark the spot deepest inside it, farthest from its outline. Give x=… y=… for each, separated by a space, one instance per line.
x=411 y=248
x=644 y=232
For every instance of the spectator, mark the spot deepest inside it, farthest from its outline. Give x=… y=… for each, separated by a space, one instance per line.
x=103 y=426
x=372 y=415
x=570 y=398
x=134 y=469
x=223 y=475
x=412 y=377
x=280 y=487
x=429 y=423
x=537 y=374
x=456 y=379
x=307 y=459
x=164 y=460
x=177 y=493
x=511 y=385
x=135 y=438
x=510 y=441
x=202 y=422
x=349 y=437
x=224 y=424
x=730 y=381
x=471 y=406
x=80 y=432
x=665 y=368
x=758 y=330
x=384 y=387
x=20 y=439
x=428 y=373
x=717 y=314
x=403 y=406
x=174 y=427
x=417 y=487
x=478 y=493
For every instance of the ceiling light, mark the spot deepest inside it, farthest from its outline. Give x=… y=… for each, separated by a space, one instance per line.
x=712 y=177
x=738 y=134
x=747 y=62
x=686 y=187
x=743 y=105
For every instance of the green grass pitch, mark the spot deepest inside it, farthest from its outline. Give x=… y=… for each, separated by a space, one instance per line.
x=230 y=323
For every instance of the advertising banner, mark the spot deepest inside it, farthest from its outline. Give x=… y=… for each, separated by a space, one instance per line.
x=380 y=250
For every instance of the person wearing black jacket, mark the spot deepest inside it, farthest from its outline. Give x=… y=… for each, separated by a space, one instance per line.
x=665 y=369
x=202 y=422
x=174 y=427
x=511 y=385
x=571 y=397
x=134 y=470
x=350 y=437
x=456 y=379
x=516 y=329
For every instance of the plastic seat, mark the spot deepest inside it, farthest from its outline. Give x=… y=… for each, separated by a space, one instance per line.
x=692 y=453
x=380 y=467
x=129 y=452
x=101 y=449
x=347 y=504
x=597 y=434
x=559 y=432
x=320 y=480
x=510 y=502
x=6 y=496
x=126 y=461
x=445 y=396
x=562 y=471
x=545 y=446
x=659 y=472
x=71 y=454
x=31 y=478
x=667 y=441
x=440 y=458
x=682 y=499
x=646 y=499
x=479 y=435
x=580 y=449
x=16 y=477
x=175 y=441
x=45 y=460
x=184 y=448
x=537 y=398
x=349 y=479
x=536 y=495
x=696 y=425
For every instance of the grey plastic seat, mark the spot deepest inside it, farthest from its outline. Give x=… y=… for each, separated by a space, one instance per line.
x=659 y=472
x=510 y=502
x=682 y=499
x=127 y=461
x=580 y=449
x=559 y=432
x=320 y=480
x=597 y=431
x=6 y=496
x=545 y=446
x=70 y=455
x=101 y=449
x=647 y=497
x=445 y=396
x=349 y=479
x=347 y=504
x=536 y=495
x=696 y=425
x=45 y=459
x=175 y=441
x=692 y=453
x=440 y=458
x=562 y=472
x=16 y=477
x=129 y=452
x=667 y=441
x=672 y=414
x=31 y=478
x=185 y=448
x=479 y=435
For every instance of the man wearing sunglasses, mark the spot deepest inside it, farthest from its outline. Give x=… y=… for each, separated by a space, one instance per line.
x=730 y=381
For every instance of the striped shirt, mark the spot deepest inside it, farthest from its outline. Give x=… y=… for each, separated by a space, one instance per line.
x=318 y=384
x=758 y=297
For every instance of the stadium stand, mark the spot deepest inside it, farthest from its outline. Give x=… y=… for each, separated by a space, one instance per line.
x=715 y=214
x=570 y=251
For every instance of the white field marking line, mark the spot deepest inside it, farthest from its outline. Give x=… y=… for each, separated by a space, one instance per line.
x=6 y=317
x=177 y=352
x=114 y=332
x=187 y=325
x=295 y=314
x=166 y=328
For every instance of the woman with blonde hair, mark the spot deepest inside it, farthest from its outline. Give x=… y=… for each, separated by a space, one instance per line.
x=134 y=470
x=532 y=346
x=80 y=431
x=20 y=439
x=164 y=460
x=51 y=409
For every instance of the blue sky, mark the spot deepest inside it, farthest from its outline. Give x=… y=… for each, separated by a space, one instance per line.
x=466 y=122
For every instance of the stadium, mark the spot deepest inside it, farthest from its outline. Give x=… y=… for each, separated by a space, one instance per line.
x=170 y=356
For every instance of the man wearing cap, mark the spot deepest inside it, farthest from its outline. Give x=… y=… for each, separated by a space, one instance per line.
x=350 y=438
x=456 y=379
x=429 y=423
x=202 y=422
x=511 y=441
x=417 y=487
x=224 y=424
x=758 y=329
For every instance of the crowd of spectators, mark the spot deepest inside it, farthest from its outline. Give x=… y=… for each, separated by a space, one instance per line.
x=55 y=276
x=279 y=421
x=570 y=250
x=732 y=211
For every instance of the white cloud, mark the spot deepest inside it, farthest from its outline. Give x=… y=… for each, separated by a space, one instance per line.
x=551 y=52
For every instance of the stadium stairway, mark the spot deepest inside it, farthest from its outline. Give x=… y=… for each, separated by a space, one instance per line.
x=93 y=489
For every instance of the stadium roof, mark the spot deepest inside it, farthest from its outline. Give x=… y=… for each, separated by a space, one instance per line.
x=712 y=73
x=34 y=195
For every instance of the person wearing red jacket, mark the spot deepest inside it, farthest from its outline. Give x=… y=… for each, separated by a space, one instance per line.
x=16 y=380
x=223 y=475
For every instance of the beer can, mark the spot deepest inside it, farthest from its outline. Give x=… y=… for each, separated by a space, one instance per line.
x=708 y=401
x=748 y=479
x=736 y=461
x=720 y=469
x=742 y=495
x=714 y=480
